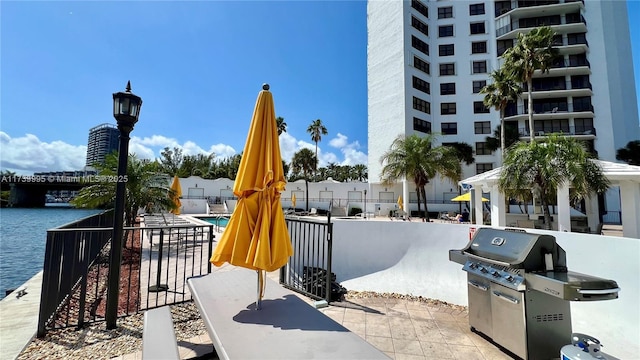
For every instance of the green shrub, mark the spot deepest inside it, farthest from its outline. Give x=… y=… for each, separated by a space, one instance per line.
x=354 y=211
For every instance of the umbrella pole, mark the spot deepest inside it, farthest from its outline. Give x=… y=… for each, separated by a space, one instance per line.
x=261 y=275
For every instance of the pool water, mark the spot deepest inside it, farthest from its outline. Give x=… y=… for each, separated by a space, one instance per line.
x=216 y=221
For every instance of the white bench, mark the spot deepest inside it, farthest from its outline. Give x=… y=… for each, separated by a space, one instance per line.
x=158 y=336
x=285 y=328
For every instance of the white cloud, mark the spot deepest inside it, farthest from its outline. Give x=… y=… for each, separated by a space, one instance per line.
x=26 y=155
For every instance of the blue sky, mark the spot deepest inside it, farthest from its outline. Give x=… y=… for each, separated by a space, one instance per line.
x=198 y=67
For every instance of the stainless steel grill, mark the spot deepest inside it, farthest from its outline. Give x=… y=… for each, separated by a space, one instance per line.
x=519 y=290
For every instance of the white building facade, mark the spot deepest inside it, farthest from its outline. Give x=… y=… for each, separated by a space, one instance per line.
x=427 y=61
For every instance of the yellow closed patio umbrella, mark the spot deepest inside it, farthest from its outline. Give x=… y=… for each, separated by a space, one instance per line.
x=293 y=201
x=176 y=193
x=466 y=197
x=256 y=236
x=400 y=202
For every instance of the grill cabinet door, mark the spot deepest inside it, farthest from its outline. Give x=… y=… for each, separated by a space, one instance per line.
x=479 y=304
x=508 y=316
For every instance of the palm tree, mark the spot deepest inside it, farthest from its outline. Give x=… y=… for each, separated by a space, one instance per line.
x=360 y=172
x=304 y=162
x=544 y=166
x=499 y=93
x=317 y=129
x=532 y=51
x=281 y=125
x=414 y=157
x=511 y=136
x=630 y=153
x=145 y=185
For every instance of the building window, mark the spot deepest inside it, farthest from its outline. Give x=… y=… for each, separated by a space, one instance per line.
x=421 y=125
x=448 y=89
x=481 y=149
x=445 y=30
x=421 y=65
x=422 y=8
x=479 y=108
x=445 y=50
x=445 y=12
x=478 y=85
x=419 y=45
x=421 y=85
x=447 y=108
x=477 y=28
x=584 y=126
x=422 y=27
x=480 y=67
x=482 y=127
x=476 y=9
x=479 y=47
x=449 y=128
x=483 y=167
x=447 y=69
x=421 y=105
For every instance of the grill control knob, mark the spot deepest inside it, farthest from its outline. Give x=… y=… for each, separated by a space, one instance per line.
x=483 y=269
x=495 y=274
x=473 y=266
x=509 y=278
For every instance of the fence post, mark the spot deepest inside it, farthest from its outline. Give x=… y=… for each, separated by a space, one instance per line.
x=211 y=236
x=329 y=250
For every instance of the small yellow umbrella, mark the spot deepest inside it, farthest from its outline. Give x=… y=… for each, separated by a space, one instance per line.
x=466 y=197
x=293 y=201
x=400 y=203
x=256 y=236
x=176 y=193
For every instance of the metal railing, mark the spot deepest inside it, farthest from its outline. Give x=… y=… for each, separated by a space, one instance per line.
x=156 y=261
x=309 y=269
x=565 y=130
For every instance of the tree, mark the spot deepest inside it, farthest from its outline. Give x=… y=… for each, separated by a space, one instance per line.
x=304 y=163
x=630 y=153
x=359 y=172
x=316 y=129
x=532 y=51
x=414 y=157
x=546 y=165
x=511 y=135
x=499 y=93
x=281 y=125
x=145 y=185
x=464 y=152
x=171 y=160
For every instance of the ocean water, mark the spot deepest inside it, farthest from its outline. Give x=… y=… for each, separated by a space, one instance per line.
x=23 y=235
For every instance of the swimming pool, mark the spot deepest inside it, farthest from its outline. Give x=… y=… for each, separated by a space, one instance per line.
x=220 y=221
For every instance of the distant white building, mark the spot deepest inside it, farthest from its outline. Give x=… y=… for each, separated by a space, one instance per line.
x=427 y=61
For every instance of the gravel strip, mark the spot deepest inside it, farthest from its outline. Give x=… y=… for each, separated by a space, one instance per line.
x=96 y=342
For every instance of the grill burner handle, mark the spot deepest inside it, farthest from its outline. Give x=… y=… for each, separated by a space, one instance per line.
x=506 y=298
x=480 y=258
x=478 y=286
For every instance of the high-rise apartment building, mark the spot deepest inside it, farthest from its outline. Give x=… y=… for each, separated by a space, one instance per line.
x=428 y=60
x=103 y=139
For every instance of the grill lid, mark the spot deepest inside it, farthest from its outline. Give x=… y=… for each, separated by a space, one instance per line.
x=516 y=249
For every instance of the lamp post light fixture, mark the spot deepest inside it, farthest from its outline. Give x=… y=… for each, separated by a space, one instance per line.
x=126 y=109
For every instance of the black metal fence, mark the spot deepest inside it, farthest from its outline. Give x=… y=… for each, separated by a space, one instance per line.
x=309 y=269
x=156 y=261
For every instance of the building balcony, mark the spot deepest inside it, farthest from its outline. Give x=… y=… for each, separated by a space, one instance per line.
x=550 y=8
x=580 y=132
x=561 y=111
x=560 y=90
x=512 y=30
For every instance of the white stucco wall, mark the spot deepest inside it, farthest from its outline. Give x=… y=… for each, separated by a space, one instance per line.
x=413 y=258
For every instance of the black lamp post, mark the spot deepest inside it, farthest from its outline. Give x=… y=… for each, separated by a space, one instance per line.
x=126 y=108
x=365 y=203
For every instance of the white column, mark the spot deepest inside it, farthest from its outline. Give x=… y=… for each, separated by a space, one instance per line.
x=564 y=211
x=630 y=206
x=498 y=208
x=477 y=205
